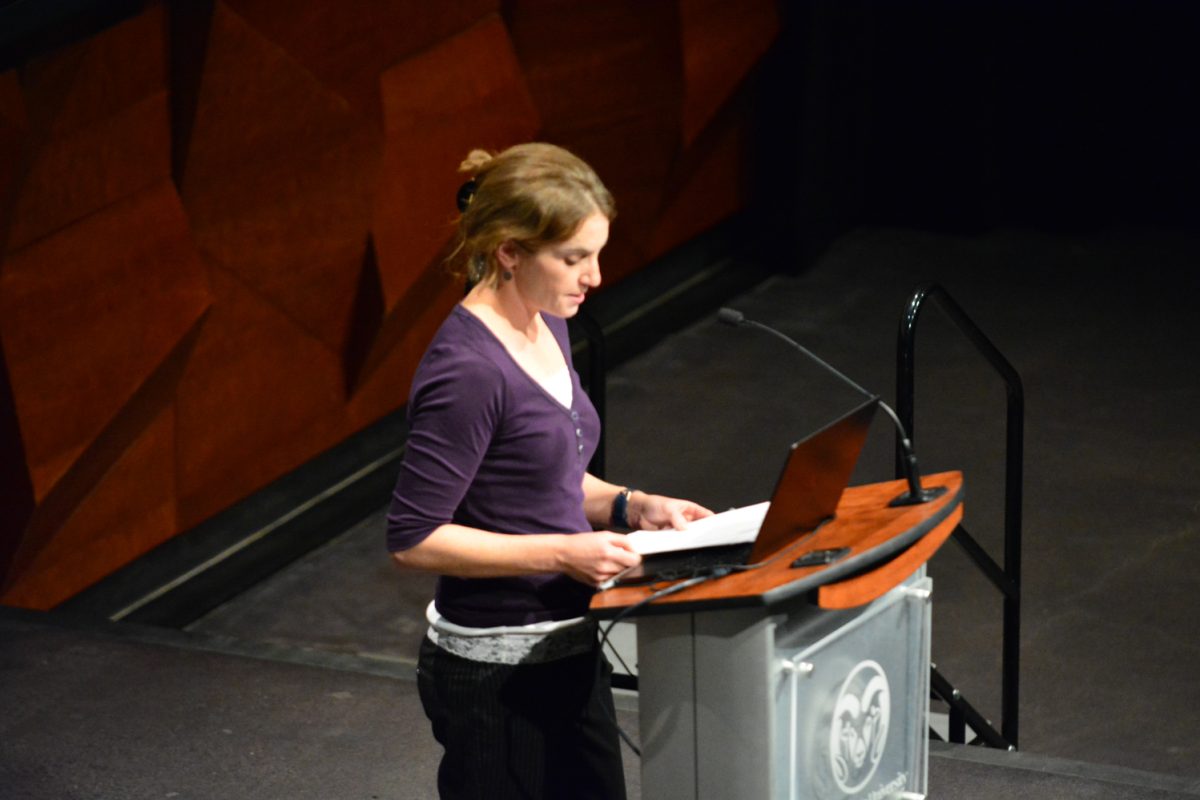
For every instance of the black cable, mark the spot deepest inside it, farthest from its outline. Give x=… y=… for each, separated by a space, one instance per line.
x=625 y=612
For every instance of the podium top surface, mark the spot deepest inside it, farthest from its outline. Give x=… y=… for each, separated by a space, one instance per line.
x=886 y=545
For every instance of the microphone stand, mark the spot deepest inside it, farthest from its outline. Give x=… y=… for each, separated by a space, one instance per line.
x=916 y=493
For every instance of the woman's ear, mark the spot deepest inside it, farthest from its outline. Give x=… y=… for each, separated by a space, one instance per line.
x=508 y=254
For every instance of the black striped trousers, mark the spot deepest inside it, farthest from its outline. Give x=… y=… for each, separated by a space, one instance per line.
x=527 y=731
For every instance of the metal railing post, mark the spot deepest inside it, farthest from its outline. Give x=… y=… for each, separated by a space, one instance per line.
x=1007 y=578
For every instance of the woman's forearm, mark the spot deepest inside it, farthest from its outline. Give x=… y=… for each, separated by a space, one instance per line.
x=472 y=553
x=598 y=496
x=463 y=552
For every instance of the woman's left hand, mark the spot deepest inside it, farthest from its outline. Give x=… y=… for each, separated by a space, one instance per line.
x=654 y=512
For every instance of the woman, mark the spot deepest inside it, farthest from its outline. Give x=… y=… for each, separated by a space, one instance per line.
x=494 y=496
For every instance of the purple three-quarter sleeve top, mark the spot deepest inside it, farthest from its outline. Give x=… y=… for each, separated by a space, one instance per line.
x=489 y=448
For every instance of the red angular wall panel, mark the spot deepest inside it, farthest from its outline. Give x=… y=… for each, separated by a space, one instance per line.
x=258 y=397
x=83 y=83
x=722 y=42
x=92 y=321
x=608 y=81
x=705 y=187
x=467 y=92
x=98 y=126
x=106 y=531
x=278 y=178
x=74 y=175
x=16 y=489
x=398 y=343
x=347 y=45
x=222 y=225
x=13 y=141
x=87 y=314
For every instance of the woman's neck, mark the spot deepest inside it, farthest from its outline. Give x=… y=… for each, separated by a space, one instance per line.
x=503 y=305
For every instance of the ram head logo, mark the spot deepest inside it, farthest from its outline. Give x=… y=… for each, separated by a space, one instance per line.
x=860 y=724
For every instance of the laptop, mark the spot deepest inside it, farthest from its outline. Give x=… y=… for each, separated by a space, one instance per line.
x=815 y=473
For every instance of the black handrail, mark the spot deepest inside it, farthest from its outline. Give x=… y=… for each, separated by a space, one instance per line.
x=1006 y=579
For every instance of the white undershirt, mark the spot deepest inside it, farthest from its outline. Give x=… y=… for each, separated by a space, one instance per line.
x=559 y=387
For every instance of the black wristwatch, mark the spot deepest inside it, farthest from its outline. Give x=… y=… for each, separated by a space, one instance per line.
x=620 y=509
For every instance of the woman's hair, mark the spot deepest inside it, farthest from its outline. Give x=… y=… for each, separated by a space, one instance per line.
x=533 y=194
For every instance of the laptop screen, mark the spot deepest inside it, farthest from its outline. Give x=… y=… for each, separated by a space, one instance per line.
x=817 y=471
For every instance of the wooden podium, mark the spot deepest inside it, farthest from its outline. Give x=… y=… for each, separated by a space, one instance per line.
x=807 y=682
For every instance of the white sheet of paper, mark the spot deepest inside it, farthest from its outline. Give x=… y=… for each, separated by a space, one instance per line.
x=735 y=526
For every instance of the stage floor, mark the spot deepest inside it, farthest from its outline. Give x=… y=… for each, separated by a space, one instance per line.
x=115 y=711
x=301 y=687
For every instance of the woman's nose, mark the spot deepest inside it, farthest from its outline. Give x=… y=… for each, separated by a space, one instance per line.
x=592 y=274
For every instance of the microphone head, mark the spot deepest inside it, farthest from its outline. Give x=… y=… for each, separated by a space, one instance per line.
x=731 y=316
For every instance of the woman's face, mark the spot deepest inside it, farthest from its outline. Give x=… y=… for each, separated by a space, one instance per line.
x=556 y=278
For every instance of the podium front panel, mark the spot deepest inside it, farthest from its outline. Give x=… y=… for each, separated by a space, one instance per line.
x=851 y=710
x=787 y=703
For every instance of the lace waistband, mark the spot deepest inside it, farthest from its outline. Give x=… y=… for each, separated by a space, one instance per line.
x=513 y=644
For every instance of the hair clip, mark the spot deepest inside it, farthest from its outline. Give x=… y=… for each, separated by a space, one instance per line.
x=465 y=193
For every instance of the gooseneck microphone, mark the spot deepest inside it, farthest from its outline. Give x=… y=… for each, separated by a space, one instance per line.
x=736 y=318
x=916 y=494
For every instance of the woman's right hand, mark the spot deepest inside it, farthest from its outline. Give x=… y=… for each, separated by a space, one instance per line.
x=593 y=558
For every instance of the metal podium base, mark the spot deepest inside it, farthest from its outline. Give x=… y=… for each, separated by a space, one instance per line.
x=788 y=702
